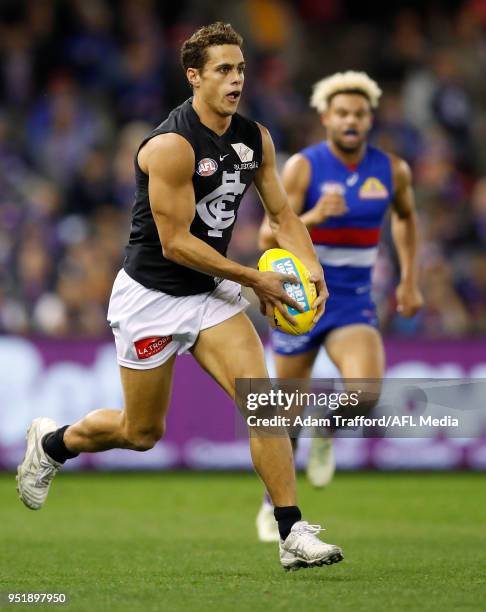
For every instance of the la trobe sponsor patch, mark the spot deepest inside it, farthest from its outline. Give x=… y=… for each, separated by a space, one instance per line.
x=148 y=347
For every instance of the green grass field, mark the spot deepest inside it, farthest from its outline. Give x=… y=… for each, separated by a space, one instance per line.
x=184 y=541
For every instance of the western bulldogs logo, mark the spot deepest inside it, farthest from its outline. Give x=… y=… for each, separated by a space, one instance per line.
x=373 y=189
x=206 y=167
x=212 y=208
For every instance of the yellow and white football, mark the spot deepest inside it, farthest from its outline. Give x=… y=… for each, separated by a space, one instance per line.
x=304 y=292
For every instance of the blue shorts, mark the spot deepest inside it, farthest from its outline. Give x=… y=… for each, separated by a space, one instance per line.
x=343 y=307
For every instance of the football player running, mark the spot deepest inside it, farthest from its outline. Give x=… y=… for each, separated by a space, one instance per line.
x=342 y=188
x=178 y=291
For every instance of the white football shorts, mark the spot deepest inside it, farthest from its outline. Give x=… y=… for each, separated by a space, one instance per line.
x=150 y=326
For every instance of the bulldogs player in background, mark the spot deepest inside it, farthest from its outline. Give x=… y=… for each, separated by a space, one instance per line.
x=342 y=188
x=178 y=292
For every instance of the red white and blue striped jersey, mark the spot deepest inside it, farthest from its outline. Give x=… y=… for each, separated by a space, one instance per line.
x=347 y=246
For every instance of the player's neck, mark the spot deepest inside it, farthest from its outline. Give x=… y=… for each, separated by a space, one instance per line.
x=352 y=158
x=209 y=118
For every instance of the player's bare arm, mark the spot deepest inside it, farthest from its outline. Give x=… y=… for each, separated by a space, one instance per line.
x=289 y=231
x=168 y=159
x=404 y=231
x=296 y=176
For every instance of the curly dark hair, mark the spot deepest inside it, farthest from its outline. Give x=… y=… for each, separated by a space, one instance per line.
x=194 y=49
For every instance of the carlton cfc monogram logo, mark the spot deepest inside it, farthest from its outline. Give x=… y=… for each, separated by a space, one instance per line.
x=147 y=347
x=206 y=167
x=213 y=208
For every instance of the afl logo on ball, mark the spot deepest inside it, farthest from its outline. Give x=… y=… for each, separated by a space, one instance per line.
x=206 y=167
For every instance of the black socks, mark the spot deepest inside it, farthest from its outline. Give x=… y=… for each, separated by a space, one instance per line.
x=286 y=517
x=53 y=445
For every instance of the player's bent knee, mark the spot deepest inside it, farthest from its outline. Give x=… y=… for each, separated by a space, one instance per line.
x=143 y=440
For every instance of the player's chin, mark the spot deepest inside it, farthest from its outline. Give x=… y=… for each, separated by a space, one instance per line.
x=350 y=146
x=229 y=109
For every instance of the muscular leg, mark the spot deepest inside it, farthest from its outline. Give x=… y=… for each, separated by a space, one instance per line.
x=358 y=353
x=233 y=350
x=138 y=426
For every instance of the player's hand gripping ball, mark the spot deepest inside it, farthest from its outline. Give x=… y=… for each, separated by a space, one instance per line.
x=304 y=292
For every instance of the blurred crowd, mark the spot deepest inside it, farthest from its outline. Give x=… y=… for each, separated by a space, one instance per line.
x=82 y=81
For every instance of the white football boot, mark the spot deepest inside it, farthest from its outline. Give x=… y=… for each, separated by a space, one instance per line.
x=267 y=526
x=302 y=548
x=35 y=473
x=321 y=463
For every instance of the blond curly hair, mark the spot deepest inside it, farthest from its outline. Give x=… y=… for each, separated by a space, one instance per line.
x=344 y=82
